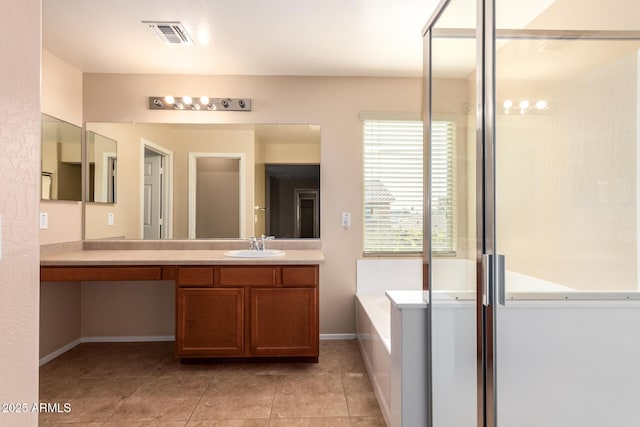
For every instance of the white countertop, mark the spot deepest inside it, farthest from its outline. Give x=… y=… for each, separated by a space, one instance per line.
x=77 y=254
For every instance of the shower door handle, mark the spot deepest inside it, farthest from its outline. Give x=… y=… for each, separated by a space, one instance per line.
x=493 y=285
x=487 y=280
x=500 y=279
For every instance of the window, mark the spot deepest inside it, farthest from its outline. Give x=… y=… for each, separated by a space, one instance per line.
x=443 y=188
x=393 y=208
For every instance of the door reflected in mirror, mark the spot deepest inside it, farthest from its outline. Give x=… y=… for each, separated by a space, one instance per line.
x=61 y=165
x=159 y=195
x=293 y=196
x=103 y=162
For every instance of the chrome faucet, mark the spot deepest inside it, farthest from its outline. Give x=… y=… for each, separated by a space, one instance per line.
x=258 y=244
x=253 y=243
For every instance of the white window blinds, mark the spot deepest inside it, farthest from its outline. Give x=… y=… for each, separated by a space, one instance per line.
x=393 y=181
x=443 y=188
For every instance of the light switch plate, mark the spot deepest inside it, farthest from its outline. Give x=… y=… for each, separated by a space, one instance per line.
x=44 y=220
x=111 y=218
x=346 y=219
x=0 y=237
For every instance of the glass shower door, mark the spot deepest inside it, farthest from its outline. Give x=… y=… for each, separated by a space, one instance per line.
x=452 y=251
x=566 y=213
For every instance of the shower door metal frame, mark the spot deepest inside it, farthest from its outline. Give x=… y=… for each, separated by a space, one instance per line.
x=485 y=204
x=486 y=313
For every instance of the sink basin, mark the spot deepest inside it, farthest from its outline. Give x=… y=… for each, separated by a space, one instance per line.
x=268 y=253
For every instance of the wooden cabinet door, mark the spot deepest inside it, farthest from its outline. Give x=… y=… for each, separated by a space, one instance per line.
x=284 y=322
x=210 y=322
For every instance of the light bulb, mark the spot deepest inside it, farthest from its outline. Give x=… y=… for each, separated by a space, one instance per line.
x=169 y=99
x=541 y=105
x=524 y=104
x=187 y=100
x=507 y=104
x=204 y=100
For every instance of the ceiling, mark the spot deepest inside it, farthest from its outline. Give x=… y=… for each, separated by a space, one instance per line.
x=241 y=37
x=312 y=37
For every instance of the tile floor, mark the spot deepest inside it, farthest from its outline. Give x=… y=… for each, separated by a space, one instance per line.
x=142 y=384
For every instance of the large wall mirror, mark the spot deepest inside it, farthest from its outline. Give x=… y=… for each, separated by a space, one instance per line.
x=61 y=161
x=203 y=181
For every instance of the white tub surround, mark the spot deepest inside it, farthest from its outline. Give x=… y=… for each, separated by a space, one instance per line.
x=408 y=358
x=373 y=318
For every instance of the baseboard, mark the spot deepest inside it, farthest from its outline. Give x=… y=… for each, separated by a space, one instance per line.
x=129 y=338
x=49 y=357
x=337 y=336
x=150 y=338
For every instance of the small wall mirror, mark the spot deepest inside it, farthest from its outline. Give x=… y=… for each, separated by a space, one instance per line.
x=102 y=168
x=61 y=161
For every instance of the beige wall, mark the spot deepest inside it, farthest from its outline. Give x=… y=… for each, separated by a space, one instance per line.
x=567 y=179
x=217 y=198
x=289 y=152
x=333 y=103
x=61 y=89
x=145 y=310
x=20 y=124
x=62 y=99
x=59 y=316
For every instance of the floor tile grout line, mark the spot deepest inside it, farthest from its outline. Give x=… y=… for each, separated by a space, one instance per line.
x=273 y=397
x=204 y=392
x=344 y=391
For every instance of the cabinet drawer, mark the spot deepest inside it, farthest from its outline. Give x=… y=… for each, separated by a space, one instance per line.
x=109 y=273
x=247 y=276
x=293 y=276
x=195 y=276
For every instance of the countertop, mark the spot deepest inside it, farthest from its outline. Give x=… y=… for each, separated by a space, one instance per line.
x=170 y=253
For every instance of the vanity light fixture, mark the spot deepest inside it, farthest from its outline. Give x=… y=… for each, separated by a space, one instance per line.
x=524 y=107
x=196 y=103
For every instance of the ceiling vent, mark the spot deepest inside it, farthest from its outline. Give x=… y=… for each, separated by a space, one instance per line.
x=170 y=32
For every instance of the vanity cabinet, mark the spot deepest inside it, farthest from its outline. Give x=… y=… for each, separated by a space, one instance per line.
x=247 y=311
x=210 y=322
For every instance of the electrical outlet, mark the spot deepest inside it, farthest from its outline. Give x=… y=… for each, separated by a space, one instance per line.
x=111 y=218
x=44 y=220
x=346 y=219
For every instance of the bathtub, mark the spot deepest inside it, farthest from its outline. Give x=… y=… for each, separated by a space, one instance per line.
x=549 y=313
x=373 y=324
x=374 y=339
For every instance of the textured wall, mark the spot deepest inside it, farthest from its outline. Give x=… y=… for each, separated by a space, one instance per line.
x=19 y=177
